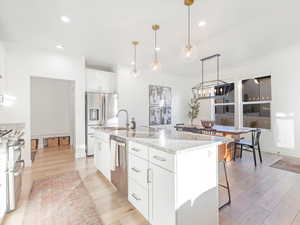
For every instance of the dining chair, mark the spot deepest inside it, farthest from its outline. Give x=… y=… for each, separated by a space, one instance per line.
x=250 y=146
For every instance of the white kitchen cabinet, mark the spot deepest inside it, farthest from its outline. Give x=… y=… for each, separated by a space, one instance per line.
x=161 y=196
x=101 y=81
x=2 y=67
x=138 y=196
x=102 y=157
x=182 y=188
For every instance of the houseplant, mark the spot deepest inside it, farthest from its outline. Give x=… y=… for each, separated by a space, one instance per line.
x=194 y=108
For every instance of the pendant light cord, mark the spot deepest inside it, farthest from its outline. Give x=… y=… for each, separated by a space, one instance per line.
x=155 y=45
x=189 y=27
x=135 y=58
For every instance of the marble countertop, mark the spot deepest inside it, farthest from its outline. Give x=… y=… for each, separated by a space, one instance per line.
x=168 y=140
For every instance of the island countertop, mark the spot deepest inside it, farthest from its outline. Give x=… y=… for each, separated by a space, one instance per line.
x=165 y=139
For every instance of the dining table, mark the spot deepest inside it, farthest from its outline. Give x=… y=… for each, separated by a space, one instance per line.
x=226 y=150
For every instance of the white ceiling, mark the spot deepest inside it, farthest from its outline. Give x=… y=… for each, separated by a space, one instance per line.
x=102 y=31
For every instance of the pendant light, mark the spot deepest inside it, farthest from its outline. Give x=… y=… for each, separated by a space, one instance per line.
x=135 y=73
x=189 y=51
x=155 y=66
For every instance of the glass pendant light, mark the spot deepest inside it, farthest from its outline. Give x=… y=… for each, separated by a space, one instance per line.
x=189 y=51
x=135 y=73
x=155 y=66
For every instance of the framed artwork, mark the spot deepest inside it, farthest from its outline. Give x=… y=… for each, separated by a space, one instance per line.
x=160 y=105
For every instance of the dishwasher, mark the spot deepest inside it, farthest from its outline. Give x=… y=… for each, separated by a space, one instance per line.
x=119 y=172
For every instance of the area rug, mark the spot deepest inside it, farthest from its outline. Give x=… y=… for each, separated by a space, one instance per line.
x=60 y=200
x=288 y=164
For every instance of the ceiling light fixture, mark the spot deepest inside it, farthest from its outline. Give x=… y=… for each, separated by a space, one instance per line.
x=134 y=72
x=65 y=19
x=60 y=47
x=155 y=64
x=202 y=23
x=211 y=88
x=189 y=50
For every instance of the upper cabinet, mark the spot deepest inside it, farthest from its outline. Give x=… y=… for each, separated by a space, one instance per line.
x=2 y=65
x=101 y=81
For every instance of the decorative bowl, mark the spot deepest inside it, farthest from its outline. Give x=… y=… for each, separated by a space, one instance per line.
x=207 y=123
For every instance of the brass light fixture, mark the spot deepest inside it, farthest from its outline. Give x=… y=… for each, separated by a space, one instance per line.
x=134 y=72
x=155 y=64
x=189 y=50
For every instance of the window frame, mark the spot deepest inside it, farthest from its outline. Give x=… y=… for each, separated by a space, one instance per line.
x=239 y=103
x=226 y=104
x=254 y=102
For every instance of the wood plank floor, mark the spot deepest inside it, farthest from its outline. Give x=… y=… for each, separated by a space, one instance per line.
x=260 y=196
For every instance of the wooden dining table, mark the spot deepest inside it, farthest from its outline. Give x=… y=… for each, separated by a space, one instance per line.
x=226 y=150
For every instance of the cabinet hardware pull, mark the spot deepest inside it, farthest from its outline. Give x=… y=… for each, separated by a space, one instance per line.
x=136 y=150
x=135 y=197
x=135 y=170
x=159 y=158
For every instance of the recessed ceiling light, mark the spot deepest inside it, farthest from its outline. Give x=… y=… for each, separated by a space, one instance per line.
x=202 y=24
x=65 y=19
x=59 y=47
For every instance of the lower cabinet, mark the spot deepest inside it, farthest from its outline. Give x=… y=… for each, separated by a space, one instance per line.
x=174 y=189
x=161 y=196
x=102 y=157
x=138 y=196
x=151 y=189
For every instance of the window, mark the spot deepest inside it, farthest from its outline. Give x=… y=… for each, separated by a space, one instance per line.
x=256 y=94
x=224 y=105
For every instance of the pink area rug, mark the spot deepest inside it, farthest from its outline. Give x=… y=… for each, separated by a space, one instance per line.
x=60 y=200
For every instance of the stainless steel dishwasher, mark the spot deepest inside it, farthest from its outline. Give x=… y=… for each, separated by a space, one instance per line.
x=119 y=173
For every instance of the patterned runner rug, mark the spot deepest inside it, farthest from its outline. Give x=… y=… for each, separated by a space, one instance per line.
x=288 y=164
x=60 y=200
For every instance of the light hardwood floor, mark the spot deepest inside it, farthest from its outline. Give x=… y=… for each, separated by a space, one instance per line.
x=260 y=196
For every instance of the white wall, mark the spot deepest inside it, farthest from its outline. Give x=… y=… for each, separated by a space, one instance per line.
x=52 y=111
x=284 y=67
x=102 y=81
x=23 y=63
x=134 y=94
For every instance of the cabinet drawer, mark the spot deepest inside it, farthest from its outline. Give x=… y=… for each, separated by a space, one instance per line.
x=138 y=197
x=162 y=159
x=138 y=150
x=138 y=170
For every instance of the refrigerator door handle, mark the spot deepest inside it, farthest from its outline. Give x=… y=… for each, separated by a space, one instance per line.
x=104 y=102
x=103 y=110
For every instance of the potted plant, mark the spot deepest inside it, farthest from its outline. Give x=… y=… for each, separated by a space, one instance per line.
x=194 y=108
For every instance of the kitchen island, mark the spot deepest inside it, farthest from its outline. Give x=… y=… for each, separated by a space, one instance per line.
x=172 y=176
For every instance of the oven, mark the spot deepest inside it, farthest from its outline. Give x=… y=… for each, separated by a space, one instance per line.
x=14 y=174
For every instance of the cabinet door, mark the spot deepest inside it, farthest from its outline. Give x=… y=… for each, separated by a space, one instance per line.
x=161 y=196
x=98 y=152
x=105 y=160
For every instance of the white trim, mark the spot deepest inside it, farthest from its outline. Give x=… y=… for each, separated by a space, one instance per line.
x=280 y=151
x=80 y=152
x=221 y=104
x=257 y=102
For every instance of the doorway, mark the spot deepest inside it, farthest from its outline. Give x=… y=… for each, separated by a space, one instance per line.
x=52 y=115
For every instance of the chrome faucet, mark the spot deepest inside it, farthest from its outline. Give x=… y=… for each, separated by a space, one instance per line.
x=127 y=121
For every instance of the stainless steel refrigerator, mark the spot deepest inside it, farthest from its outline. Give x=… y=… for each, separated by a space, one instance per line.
x=100 y=110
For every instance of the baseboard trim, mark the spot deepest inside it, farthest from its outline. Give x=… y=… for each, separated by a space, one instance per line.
x=80 y=152
x=280 y=151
